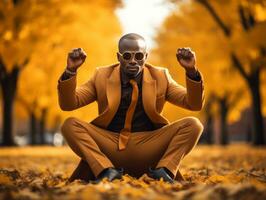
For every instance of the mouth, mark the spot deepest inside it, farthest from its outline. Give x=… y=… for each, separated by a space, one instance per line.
x=132 y=71
x=133 y=68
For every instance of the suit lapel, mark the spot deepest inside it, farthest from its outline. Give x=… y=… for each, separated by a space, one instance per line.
x=148 y=91
x=113 y=94
x=149 y=98
x=113 y=90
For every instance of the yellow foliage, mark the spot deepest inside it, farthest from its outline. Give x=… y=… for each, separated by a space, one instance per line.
x=210 y=173
x=5 y=180
x=60 y=26
x=190 y=25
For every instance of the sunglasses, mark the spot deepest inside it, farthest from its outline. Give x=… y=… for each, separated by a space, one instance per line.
x=127 y=55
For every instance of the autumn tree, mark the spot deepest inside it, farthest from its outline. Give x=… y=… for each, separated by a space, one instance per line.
x=248 y=19
x=24 y=23
x=14 y=31
x=38 y=96
x=34 y=30
x=222 y=84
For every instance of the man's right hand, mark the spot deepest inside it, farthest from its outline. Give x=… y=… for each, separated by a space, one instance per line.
x=75 y=59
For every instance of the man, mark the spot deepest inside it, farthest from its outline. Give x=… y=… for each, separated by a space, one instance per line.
x=130 y=135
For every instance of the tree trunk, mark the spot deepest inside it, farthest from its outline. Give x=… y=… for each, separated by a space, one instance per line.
x=224 y=113
x=254 y=85
x=43 y=125
x=7 y=105
x=249 y=134
x=252 y=79
x=33 y=128
x=9 y=88
x=209 y=129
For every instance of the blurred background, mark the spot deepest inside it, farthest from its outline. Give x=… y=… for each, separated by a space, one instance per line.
x=228 y=37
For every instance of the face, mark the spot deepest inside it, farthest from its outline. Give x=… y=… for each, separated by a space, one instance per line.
x=132 y=56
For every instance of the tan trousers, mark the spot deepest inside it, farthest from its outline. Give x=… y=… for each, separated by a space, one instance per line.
x=98 y=148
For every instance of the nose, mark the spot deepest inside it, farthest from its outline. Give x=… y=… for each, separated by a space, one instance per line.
x=132 y=61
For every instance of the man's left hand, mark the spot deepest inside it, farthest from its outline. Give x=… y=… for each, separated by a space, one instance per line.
x=187 y=59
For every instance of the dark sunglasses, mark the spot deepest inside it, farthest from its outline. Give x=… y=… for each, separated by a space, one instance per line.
x=127 y=55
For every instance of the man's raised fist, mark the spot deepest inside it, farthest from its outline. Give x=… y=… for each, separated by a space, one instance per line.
x=187 y=59
x=75 y=59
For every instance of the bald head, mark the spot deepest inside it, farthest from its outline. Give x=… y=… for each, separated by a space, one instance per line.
x=132 y=42
x=134 y=46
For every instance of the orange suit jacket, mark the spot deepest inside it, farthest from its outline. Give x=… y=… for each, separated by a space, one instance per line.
x=104 y=86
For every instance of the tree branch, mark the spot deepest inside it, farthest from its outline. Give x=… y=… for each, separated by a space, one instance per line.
x=216 y=17
x=24 y=64
x=263 y=56
x=15 y=73
x=239 y=66
x=243 y=19
x=3 y=71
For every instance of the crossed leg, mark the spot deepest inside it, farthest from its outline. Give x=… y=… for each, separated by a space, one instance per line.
x=97 y=147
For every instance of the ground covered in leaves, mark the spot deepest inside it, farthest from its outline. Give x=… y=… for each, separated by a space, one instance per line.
x=211 y=172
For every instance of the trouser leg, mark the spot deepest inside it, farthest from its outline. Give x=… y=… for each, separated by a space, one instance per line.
x=164 y=147
x=184 y=137
x=83 y=172
x=81 y=138
x=167 y=146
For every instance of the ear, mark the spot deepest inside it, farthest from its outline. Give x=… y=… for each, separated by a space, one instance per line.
x=118 y=57
x=146 y=56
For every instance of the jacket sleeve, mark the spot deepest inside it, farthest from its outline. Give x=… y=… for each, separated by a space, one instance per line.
x=191 y=98
x=71 y=97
